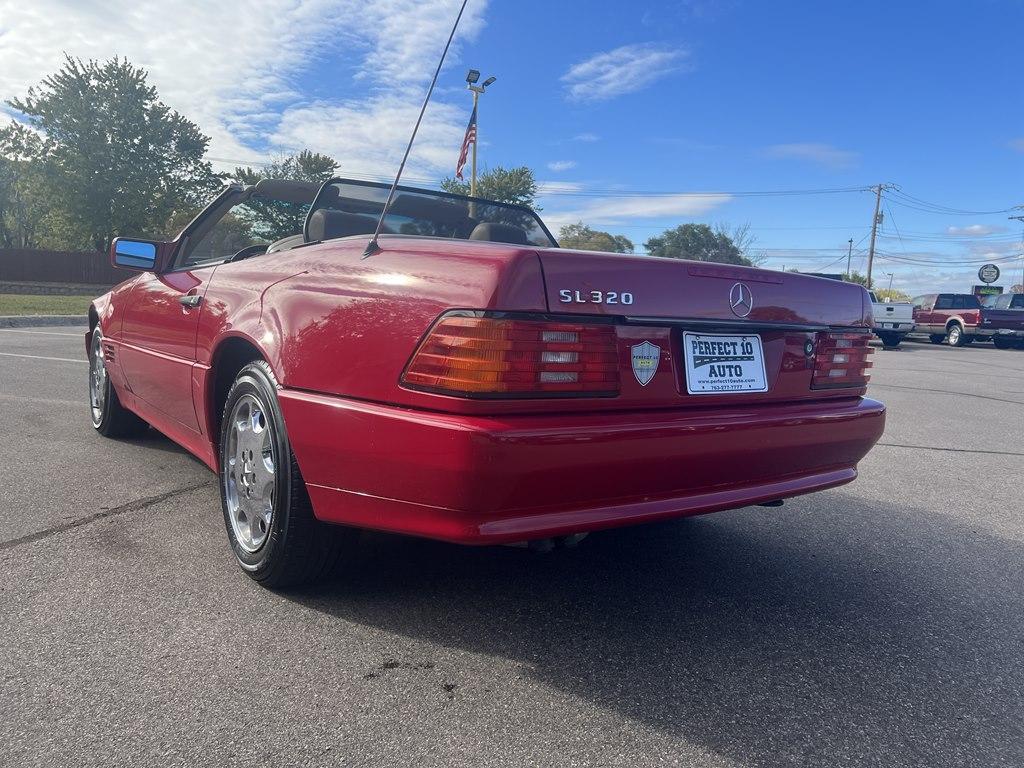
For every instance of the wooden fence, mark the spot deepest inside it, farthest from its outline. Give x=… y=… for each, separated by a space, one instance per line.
x=85 y=267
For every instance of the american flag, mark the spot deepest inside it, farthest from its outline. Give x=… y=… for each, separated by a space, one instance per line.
x=470 y=139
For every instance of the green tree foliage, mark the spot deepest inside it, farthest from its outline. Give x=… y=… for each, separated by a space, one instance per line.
x=25 y=215
x=698 y=242
x=891 y=294
x=503 y=185
x=116 y=159
x=582 y=237
x=272 y=220
x=858 y=278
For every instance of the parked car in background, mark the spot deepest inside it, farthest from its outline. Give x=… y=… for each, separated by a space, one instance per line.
x=952 y=317
x=893 y=320
x=1003 y=316
x=469 y=381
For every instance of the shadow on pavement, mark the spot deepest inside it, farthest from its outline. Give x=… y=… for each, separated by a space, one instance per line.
x=857 y=633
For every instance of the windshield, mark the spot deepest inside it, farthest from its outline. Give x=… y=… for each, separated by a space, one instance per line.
x=352 y=208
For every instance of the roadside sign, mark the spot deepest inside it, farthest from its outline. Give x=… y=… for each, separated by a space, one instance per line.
x=989 y=273
x=988 y=290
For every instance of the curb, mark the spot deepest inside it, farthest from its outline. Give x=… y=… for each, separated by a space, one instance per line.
x=30 y=321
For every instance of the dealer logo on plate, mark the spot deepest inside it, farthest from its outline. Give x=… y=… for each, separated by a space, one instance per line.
x=646 y=357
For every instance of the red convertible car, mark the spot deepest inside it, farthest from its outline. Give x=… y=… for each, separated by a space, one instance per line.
x=471 y=381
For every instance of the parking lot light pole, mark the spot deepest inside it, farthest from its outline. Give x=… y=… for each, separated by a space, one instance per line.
x=471 y=79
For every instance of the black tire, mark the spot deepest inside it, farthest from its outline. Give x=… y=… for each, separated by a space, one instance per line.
x=955 y=335
x=296 y=547
x=890 y=339
x=936 y=338
x=1002 y=343
x=108 y=416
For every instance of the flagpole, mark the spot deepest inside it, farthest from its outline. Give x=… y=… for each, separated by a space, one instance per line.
x=476 y=111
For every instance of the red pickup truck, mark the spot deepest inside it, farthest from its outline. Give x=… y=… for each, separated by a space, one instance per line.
x=1003 y=317
x=955 y=317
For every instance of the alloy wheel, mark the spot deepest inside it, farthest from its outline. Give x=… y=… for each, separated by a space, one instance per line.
x=250 y=475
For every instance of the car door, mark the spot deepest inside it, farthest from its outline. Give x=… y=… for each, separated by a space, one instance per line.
x=162 y=317
x=159 y=339
x=923 y=312
x=941 y=312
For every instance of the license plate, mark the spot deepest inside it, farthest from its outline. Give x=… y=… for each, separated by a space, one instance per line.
x=719 y=363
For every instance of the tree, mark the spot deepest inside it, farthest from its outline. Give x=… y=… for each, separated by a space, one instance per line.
x=744 y=240
x=697 y=242
x=272 y=220
x=503 y=185
x=583 y=238
x=891 y=294
x=25 y=213
x=119 y=161
x=858 y=278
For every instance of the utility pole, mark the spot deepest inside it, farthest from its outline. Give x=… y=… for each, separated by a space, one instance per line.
x=890 y=274
x=874 y=230
x=849 y=256
x=1021 y=219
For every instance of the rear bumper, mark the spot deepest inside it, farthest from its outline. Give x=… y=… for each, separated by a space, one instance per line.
x=889 y=327
x=479 y=480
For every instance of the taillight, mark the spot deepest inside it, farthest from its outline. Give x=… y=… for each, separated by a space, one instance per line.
x=841 y=360
x=497 y=357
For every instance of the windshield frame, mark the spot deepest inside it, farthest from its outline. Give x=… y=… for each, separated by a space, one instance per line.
x=432 y=193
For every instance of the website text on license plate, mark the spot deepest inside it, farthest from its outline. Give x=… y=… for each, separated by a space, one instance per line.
x=717 y=363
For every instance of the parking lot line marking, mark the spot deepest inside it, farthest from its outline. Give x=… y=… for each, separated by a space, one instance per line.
x=40 y=357
x=45 y=400
x=42 y=333
x=132 y=506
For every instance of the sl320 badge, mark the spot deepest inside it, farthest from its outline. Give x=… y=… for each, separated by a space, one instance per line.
x=569 y=296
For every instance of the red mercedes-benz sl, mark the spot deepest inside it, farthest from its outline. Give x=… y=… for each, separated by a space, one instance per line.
x=470 y=381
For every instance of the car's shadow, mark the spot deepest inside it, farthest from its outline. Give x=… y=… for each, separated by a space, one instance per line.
x=847 y=634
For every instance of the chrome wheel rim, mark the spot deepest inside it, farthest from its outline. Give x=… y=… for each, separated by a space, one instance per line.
x=954 y=335
x=250 y=472
x=97 y=378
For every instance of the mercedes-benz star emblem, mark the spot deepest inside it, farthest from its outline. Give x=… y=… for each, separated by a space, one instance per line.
x=740 y=300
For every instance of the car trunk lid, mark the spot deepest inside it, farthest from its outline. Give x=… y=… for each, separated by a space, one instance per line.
x=678 y=307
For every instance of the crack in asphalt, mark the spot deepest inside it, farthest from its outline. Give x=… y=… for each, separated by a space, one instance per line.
x=132 y=506
x=948 y=392
x=951 y=450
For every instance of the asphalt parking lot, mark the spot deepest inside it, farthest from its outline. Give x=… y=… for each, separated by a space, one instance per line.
x=881 y=624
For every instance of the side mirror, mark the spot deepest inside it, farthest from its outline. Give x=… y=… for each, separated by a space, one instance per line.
x=134 y=254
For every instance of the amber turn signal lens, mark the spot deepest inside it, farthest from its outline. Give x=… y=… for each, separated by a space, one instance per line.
x=841 y=360
x=494 y=357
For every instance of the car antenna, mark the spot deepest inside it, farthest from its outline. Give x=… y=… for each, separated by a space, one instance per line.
x=373 y=247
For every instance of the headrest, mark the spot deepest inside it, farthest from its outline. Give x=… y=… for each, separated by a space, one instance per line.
x=499 y=233
x=327 y=224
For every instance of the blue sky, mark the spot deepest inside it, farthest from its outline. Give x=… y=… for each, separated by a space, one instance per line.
x=635 y=116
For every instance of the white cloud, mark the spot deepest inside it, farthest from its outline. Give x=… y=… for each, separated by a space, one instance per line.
x=622 y=70
x=820 y=154
x=368 y=137
x=234 y=69
x=561 y=165
x=974 y=230
x=614 y=210
x=586 y=137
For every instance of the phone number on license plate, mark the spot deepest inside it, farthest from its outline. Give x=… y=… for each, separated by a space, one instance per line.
x=720 y=363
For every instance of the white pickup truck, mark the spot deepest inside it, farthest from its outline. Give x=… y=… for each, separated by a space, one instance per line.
x=893 y=320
